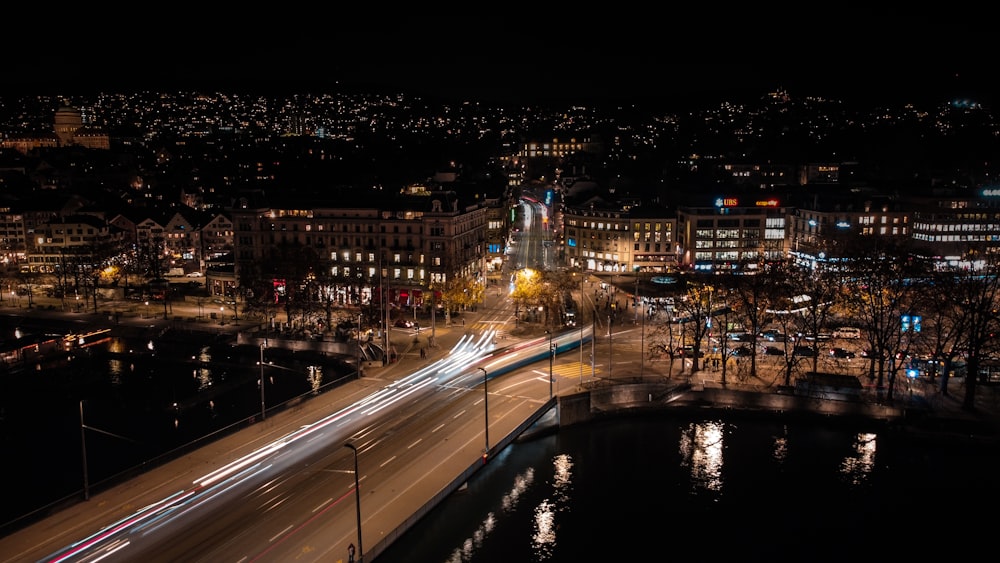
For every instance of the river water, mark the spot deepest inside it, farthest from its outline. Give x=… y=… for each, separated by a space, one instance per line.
x=682 y=488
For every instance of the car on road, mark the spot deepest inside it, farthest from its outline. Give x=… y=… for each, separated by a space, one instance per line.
x=772 y=335
x=403 y=323
x=843 y=353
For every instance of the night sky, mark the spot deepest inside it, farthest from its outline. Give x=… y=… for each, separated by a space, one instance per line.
x=508 y=59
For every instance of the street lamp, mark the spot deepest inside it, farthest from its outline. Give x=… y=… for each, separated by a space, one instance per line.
x=83 y=449
x=83 y=444
x=486 y=412
x=147 y=308
x=552 y=354
x=642 y=328
x=609 y=346
x=357 y=498
x=580 y=322
x=637 y=300
x=359 y=345
x=262 y=409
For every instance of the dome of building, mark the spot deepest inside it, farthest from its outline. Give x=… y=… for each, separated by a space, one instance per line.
x=68 y=120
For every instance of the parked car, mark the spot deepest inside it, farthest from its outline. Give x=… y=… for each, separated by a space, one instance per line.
x=847 y=332
x=806 y=351
x=688 y=352
x=772 y=351
x=822 y=337
x=841 y=353
x=742 y=351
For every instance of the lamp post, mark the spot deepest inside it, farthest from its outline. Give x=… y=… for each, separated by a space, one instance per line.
x=262 y=408
x=552 y=354
x=359 y=345
x=147 y=308
x=609 y=346
x=593 y=345
x=580 y=321
x=642 y=343
x=486 y=412
x=83 y=449
x=357 y=498
x=642 y=328
x=637 y=300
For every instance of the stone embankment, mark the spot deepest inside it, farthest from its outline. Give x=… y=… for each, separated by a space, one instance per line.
x=946 y=419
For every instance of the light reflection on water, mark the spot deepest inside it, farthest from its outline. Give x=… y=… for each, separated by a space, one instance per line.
x=858 y=467
x=509 y=502
x=546 y=523
x=118 y=368
x=590 y=490
x=701 y=450
x=781 y=445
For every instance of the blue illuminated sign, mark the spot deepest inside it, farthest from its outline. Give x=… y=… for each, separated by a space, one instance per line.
x=910 y=323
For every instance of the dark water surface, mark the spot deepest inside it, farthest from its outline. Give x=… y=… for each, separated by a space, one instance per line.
x=666 y=488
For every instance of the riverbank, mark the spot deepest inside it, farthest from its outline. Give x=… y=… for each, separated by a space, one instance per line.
x=943 y=416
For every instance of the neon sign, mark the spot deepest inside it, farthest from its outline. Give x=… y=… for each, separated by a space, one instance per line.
x=767 y=203
x=726 y=202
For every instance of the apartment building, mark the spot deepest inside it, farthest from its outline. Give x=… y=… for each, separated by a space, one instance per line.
x=73 y=244
x=404 y=243
x=599 y=238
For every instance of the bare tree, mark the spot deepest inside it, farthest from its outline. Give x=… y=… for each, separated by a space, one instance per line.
x=939 y=330
x=817 y=290
x=879 y=289
x=975 y=298
x=751 y=296
x=784 y=313
x=694 y=310
x=723 y=319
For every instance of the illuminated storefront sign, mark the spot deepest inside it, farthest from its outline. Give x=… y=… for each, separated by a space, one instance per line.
x=726 y=202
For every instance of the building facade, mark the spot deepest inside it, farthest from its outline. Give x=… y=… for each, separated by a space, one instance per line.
x=403 y=245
